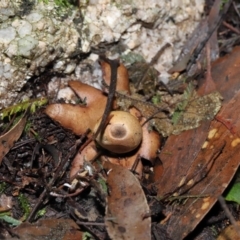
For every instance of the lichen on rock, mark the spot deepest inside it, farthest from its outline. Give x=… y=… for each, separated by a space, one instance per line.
x=144 y=27
x=37 y=33
x=33 y=34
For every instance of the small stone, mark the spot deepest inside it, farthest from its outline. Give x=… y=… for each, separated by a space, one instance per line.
x=7 y=35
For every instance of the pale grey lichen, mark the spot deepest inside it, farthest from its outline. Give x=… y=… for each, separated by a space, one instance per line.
x=31 y=37
x=143 y=26
x=38 y=34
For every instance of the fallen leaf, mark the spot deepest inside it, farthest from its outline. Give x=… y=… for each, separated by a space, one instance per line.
x=202 y=162
x=205 y=32
x=54 y=228
x=6 y=202
x=225 y=73
x=8 y=139
x=234 y=193
x=127 y=209
x=207 y=175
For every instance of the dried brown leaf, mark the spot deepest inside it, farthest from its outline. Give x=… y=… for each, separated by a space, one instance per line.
x=205 y=31
x=8 y=139
x=49 y=229
x=127 y=208
x=206 y=175
x=202 y=162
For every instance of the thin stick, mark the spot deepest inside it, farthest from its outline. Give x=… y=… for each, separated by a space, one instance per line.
x=212 y=29
x=54 y=179
x=114 y=64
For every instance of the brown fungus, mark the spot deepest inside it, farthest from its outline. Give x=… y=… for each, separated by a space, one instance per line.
x=79 y=118
x=122 y=134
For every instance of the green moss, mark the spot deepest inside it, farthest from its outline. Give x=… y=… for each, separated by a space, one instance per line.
x=60 y=3
x=87 y=236
x=223 y=3
x=25 y=205
x=3 y=187
x=31 y=104
x=179 y=110
x=62 y=8
x=156 y=99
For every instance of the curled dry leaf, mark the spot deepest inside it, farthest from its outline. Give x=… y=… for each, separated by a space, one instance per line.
x=127 y=208
x=8 y=139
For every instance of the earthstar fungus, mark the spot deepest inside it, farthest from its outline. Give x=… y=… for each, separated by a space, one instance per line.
x=122 y=134
x=78 y=118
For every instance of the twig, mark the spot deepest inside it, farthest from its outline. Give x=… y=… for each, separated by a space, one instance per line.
x=114 y=64
x=235 y=7
x=212 y=29
x=231 y=27
x=90 y=223
x=54 y=179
